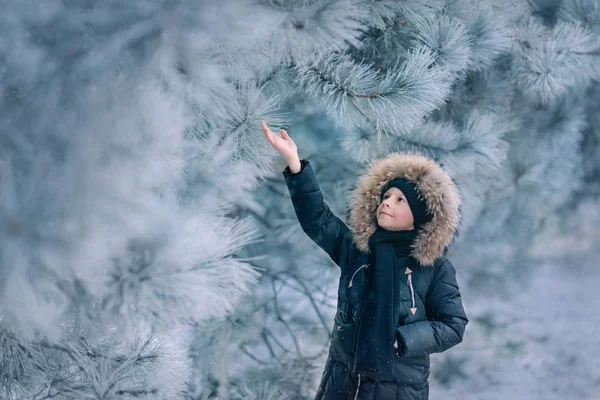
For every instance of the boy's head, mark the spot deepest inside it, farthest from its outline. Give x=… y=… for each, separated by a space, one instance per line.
x=401 y=206
x=436 y=188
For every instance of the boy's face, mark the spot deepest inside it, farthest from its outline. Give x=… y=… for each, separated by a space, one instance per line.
x=393 y=213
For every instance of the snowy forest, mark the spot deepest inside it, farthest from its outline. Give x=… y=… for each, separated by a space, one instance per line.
x=148 y=245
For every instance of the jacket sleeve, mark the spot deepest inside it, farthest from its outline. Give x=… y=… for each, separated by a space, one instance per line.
x=316 y=219
x=446 y=318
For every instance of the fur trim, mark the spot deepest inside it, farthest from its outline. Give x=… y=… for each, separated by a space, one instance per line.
x=438 y=189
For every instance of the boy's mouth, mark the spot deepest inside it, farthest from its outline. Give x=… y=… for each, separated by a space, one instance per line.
x=384 y=213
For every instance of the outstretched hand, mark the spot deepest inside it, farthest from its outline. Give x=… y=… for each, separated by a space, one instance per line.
x=283 y=144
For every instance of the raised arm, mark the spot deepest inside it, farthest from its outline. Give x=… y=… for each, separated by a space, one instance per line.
x=315 y=217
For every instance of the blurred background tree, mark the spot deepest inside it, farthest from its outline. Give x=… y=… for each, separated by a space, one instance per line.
x=148 y=244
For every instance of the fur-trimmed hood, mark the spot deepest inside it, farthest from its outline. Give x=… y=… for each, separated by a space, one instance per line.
x=438 y=189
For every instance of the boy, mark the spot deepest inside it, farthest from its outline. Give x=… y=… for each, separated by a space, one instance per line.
x=399 y=300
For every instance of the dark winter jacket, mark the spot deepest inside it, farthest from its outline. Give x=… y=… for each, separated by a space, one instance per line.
x=430 y=286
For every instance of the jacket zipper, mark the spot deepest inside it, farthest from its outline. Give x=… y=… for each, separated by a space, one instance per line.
x=361 y=267
x=357 y=388
x=356 y=322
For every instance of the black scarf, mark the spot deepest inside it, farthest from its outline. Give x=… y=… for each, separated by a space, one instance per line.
x=379 y=312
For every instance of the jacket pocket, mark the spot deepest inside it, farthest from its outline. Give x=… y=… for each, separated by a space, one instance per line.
x=343 y=342
x=365 y=266
x=411 y=370
x=355 y=286
x=413 y=392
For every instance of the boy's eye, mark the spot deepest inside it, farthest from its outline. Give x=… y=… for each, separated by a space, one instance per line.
x=399 y=198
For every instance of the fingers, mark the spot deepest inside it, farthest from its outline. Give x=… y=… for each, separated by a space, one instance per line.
x=265 y=128
x=278 y=142
x=270 y=135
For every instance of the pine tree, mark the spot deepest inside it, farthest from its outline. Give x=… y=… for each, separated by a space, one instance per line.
x=117 y=234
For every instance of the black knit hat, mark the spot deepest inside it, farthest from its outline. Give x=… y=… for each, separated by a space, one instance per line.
x=417 y=204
